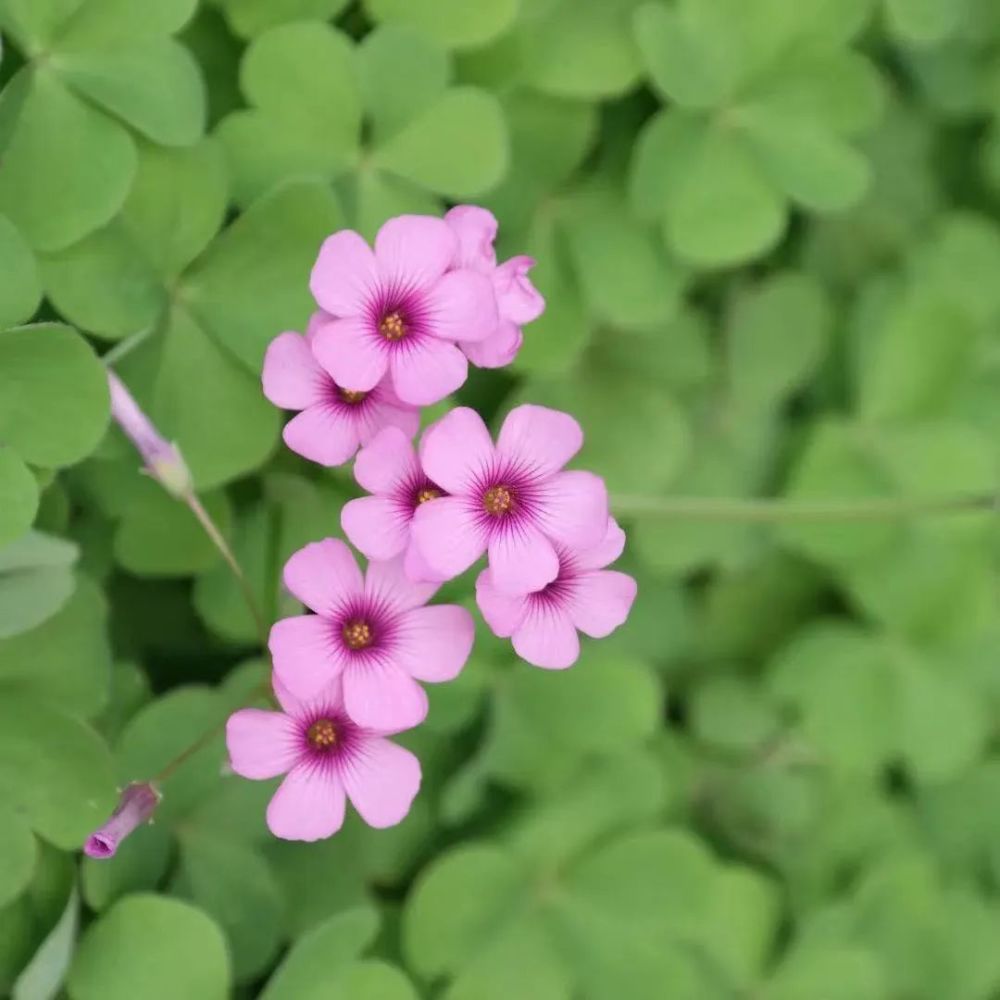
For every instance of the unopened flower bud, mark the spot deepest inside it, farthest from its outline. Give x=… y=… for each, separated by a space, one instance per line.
x=137 y=803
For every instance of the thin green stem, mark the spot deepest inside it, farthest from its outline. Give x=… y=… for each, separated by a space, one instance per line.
x=778 y=511
x=212 y=530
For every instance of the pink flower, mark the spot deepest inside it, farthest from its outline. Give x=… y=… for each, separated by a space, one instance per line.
x=518 y=302
x=334 y=421
x=379 y=525
x=326 y=758
x=372 y=631
x=400 y=309
x=511 y=500
x=136 y=805
x=584 y=596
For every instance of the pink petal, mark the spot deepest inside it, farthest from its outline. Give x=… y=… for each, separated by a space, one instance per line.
x=415 y=566
x=261 y=744
x=503 y=612
x=498 y=350
x=388 y=458
x=435 y=642
x=304 y=657
x=389 y=411
x=308 y=805
x=319 y=318
x=291 y=377
x=476 y=229
x=331 y=698
x=447 y=536
x=601 y=601
x=576 y=509
x=383 y=697
x=522 y=561
x=376 y=527
x=428 y=371
x=605 y=552
x=344 y=275
x=324 y=434
x=387 y=582
x=382 y=781
x=462 y=306
x=354 y=356
x=517 y=298
x=540 y=439
x=456 y=450
x=322 y=575
x=413 y=251
x=547 y=639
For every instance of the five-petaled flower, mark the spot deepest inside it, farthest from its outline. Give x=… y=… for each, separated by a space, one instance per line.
x=326 y=758
x=400 y=309
x=372 y=631
x=511 y=499
x=584 y=596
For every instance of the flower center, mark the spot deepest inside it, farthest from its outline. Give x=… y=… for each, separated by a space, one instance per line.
x=351 y=396
x=428 y=493
x=322 y=734
x=498 y=500
x=393 y=326
x=358 y=634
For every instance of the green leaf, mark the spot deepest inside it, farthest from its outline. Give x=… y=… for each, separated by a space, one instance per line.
x=830 y=970
x=924 y=22
x=35 y=22
x=43 y=976
x=56 y=200
x=733 y=714
x=112 y=23
x=53 y=394
x=62 y=784
x=421 y=152
x=162 y=948
x=154 y=86
x=369 y=980
x=18 y=855
x=271 y=246
x=20 y=288
x=36 y=580
x=454 y=23
x=138 y=865
x=252 y=17
x=18 y=496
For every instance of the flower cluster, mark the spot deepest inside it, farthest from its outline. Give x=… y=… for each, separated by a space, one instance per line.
x=396 y=328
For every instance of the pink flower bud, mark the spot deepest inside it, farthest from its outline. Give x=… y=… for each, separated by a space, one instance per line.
x=163 y=459
x=137 y=803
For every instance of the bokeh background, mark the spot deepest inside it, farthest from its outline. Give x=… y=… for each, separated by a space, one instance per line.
x=768 y=236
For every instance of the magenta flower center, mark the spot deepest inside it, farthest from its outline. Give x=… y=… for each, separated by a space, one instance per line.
x=393 y=326
x=322 y=734
x=351 y=396
x=499 y=501
x=427 y=493
x=358 y=634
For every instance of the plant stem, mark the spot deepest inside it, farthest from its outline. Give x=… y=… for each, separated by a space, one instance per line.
x=777 y=511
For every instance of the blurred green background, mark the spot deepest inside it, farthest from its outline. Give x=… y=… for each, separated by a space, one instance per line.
x=768 y=236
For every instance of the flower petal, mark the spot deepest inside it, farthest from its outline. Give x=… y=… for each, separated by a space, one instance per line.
x=575 y=509
x=605 y=552
x=376 y=526
x=428 y=371
x=447 y=536
x=382 y=781
x=476 y=229
x=547 y=639
x=503 y=612
x=305 y=660
x=330 y=698
x=601 y=601
x=522 y=560
x=308 y=805
x=539 y=439
x=388 y=458
x=383 y=697
x=413 y=251
x=435 y=642
x=344 y=275
x=388 y=410
x=322 y=575
x=387 y=583
x=517 y=298
x=261 y=744
x=415 y=565
x=319 y=318
x=498 y=350
x=456 y=450
x=462 y=306
x=351 y=353
x=291 y=376
x=322 y=433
